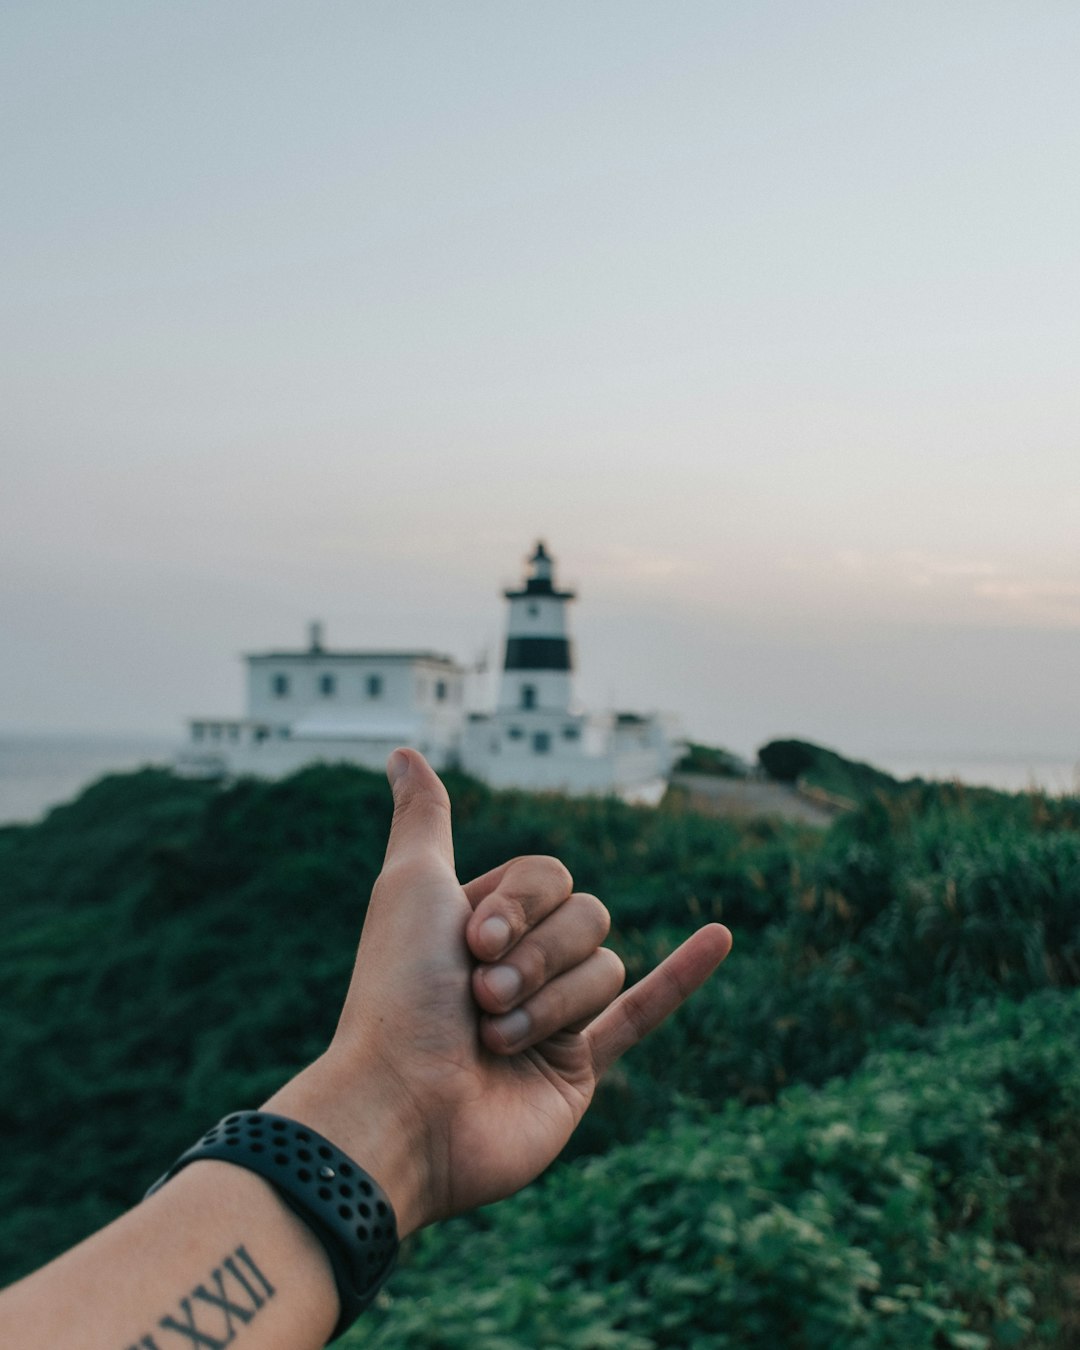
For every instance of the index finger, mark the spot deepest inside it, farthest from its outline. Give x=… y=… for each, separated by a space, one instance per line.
x=527 y=890
x=639 y=1010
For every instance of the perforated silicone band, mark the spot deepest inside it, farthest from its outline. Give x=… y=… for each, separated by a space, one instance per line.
x=345 y=1207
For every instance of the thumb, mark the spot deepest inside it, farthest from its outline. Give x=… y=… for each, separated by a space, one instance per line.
x=420 y=829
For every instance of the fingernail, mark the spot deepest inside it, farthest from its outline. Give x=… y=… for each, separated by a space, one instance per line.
x=495 y=935
x=397 y=766
x=503 y=982
x=512 y=1027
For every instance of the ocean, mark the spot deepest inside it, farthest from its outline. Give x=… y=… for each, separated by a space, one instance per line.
x=1009 y=773
x=39 y=772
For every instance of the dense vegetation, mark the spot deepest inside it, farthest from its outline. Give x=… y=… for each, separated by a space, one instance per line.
x=711 y=759
x=814 y=766
x=862 y=1133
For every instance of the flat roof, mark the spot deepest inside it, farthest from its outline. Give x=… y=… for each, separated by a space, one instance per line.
x=307 y=654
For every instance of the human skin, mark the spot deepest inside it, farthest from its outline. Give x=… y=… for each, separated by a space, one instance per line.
x=477 y=1024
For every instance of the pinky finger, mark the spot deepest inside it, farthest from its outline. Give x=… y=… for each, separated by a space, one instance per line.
x=641 y=1009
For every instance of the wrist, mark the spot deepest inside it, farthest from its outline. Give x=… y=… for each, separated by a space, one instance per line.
x=365 y=1117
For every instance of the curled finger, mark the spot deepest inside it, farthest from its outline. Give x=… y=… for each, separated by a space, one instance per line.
x=567 y=1001
x=557 y=944
x=528 y=890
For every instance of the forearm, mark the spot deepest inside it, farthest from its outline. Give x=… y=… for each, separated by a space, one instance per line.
x=213 y=1258
x=215 y=1255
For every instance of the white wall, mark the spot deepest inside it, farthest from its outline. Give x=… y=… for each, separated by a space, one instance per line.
x=589 y=763
x=276 y=758
x=537 y=616
x=401 y=686
x=553 y=689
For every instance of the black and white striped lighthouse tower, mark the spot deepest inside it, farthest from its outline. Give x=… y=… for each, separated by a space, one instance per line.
x=539 y=664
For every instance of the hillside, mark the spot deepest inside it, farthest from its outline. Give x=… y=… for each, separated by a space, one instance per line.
x=813 y=766
x=876 y=1095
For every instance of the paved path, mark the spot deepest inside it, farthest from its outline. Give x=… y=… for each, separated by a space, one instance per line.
x=745 y=799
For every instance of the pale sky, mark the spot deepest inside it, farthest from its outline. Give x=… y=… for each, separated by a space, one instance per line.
x=765 y=316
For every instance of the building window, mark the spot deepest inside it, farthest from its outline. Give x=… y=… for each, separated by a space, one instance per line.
x=528 y=695
x=374 y=686
x=197 y=731
x=327 y=686
x=234 y=732
x=571 y=733
x=440 y=691
x=534 y=609
x=514 y=733
x=279 y=685
x=261 y=733
x=541 y=742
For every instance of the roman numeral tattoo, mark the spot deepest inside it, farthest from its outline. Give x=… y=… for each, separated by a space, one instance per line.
x=239 y=1290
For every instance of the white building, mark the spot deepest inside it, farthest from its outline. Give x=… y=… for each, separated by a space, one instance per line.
x=317 y=704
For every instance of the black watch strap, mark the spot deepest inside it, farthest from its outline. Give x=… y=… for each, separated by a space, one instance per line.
x=345 y=1207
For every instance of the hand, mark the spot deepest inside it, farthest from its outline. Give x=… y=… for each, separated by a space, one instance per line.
x=479 y=1017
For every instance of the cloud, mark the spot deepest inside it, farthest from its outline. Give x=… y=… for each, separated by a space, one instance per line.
x=925 y=568
x=911 y=567
x=1055 y=604
x=964 y=590
x=641 y=565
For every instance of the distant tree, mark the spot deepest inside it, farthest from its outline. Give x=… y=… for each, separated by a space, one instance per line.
x=787 y=761
x=711 y=759
x=814 y=766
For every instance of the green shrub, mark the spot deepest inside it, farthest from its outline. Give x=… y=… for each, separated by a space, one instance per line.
x=200 y=940
x=712 y=760
x=803 y=762
x=871 y=1214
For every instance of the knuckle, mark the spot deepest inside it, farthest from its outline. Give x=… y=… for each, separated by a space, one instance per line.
x=395 y=872
x=559 y=875
x=596 y=913
x=636 y=1018
x=406 y=869
x=534 y=963
x=538 y=874
x=510 y=908
x=420 y=801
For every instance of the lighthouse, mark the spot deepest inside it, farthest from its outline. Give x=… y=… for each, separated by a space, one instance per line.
x=538 y=665
x=536 y=736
